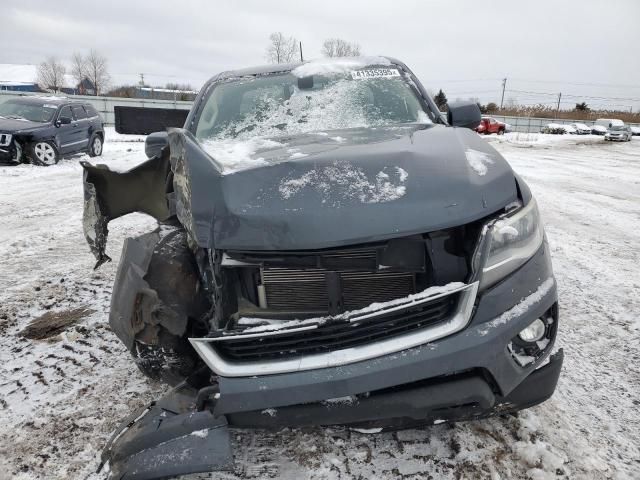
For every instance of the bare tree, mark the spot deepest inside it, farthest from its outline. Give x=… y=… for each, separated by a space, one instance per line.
x=78 y=67
x=51 y=74
x=336 y=47
x=282 y=49
x=97 y=70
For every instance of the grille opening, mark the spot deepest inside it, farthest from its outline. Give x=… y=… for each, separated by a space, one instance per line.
x=332 y=336
x=305 y=284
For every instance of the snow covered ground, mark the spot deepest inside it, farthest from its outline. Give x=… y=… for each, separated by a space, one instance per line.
x=61 y=396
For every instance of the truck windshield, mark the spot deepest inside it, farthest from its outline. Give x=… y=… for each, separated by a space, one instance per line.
x=285 y=104
x=33 y=112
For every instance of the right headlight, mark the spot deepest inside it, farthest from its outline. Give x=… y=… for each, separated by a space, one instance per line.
x=513 y=240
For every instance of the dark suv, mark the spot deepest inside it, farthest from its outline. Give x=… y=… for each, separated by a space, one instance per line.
x=43 y=129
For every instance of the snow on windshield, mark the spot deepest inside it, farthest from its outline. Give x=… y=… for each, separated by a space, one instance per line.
x=271 y=107
x=328 y=66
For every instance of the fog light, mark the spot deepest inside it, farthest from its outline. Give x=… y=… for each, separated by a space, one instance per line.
x=534 y=332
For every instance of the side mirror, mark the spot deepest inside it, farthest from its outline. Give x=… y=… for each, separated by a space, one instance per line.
x=155 y=142
x=63 y=121
x=464 y=114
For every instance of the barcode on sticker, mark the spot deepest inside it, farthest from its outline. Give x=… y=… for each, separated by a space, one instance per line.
x=374 y=73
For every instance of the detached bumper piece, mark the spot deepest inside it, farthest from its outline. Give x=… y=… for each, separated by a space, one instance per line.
x=179 y=434
x=168 y=438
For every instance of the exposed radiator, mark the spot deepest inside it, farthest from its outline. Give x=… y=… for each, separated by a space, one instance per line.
x=306 y=290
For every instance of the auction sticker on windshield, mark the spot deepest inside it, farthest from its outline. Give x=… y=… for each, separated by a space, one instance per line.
x=375 y=73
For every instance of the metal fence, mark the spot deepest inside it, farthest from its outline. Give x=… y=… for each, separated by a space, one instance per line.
x=105 y=104
x=535 y=124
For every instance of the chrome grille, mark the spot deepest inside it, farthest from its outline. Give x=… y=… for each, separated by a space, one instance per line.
x=332 y=336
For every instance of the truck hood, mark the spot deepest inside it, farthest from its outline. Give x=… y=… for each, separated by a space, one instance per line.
x=12 y=125
x=357 y=186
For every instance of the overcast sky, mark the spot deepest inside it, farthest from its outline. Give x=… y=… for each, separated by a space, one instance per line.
x=464 y=47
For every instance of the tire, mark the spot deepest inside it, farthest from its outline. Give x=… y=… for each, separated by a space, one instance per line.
x=95 y=145
x=43 y=154
x=19 y=154
x=157 y=302
x=501 y=131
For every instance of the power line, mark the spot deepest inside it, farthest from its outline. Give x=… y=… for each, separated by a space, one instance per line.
x=432 y=81
x=586 y=84
x=630 y=99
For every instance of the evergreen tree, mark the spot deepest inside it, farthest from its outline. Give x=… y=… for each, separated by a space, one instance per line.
x=441 y=100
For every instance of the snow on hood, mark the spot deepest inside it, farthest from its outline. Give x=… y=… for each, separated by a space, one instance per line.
x=377 y=184
x=335 y=66
x=15 y=125
x=341 y=181
x=234 y=155
x=478 y=161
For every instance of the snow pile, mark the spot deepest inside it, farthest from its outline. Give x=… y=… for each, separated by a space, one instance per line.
x=348 y=400
x=342 y=182
x=110 y=135
x=478 y=161
x=337 y=66
x=543 y=140
x=235 y=155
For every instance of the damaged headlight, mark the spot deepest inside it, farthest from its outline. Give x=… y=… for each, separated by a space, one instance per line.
x=514 y=239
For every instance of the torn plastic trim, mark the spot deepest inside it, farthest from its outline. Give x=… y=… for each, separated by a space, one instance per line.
x=458 y=321
x=168 y=438
x=109 y=195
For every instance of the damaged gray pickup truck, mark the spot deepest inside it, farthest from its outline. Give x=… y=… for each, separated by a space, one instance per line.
x=330 y=250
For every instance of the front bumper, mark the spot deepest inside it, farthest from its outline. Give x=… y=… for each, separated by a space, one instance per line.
x=175 y=437
x=468 y=375
x=482 y=345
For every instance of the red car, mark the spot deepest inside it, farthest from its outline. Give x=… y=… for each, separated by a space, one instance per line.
x=489 y=125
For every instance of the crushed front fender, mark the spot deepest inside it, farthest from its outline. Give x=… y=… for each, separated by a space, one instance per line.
x=168 y=438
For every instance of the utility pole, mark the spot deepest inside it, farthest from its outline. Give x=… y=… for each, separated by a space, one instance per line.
x=301 y=59
x=558 y=109
x=504 y=84
x=142 y=79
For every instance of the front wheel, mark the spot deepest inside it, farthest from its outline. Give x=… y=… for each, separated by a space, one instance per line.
x=95 y=146
x=501 y=132
x=44 y=154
